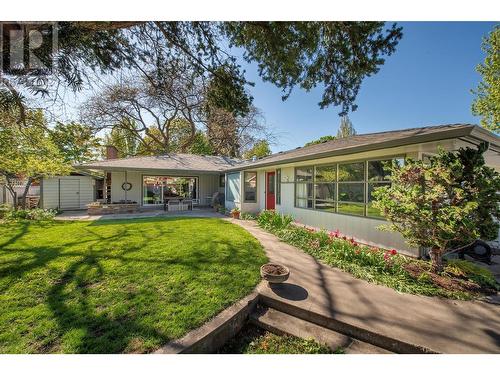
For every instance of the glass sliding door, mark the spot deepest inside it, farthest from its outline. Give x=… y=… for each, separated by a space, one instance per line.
x=159 y=189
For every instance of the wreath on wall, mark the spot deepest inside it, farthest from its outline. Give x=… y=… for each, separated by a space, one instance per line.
x=126 y=186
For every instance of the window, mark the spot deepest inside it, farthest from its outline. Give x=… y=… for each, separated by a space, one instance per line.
x=159 y=189
x=352 y=188
x=278 y=186
x=379 y=174
x=304 y=187
x=250 y=187
x=233 y=187
x=344 y=188
x=325 y=178
x=222 y=181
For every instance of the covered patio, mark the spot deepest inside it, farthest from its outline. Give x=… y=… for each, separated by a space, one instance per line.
x=176 y=182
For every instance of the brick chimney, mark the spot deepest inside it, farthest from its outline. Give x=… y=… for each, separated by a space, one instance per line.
x=111 y=152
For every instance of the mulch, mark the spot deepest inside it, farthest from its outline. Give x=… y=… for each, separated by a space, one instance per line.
x=446 y=281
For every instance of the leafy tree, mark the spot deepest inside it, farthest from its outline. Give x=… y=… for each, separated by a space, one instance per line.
x=201 y=145
x=231 y=135
x=259 y=149
x=28 y=152
x=482 y=184
x=434 y=206
x=166 y=107
x=336 y=55
x=322 y=139
x=122 y=137
x=76 y=142
x=487 y=101
x=346 y=129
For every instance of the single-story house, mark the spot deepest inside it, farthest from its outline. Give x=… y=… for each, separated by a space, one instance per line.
x=326 y=185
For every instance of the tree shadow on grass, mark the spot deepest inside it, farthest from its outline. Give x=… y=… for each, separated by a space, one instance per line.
x=86 y=323
x=96 y=332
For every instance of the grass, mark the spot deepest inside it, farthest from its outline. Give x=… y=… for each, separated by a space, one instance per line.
x=118 y=286
x=253 y=340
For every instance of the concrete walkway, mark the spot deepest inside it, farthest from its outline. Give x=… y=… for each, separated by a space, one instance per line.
x=445 y=326
x=81 y=215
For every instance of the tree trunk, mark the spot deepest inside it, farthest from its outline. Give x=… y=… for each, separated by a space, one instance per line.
x=25 y=192
x=436 y=255
x=12 y=192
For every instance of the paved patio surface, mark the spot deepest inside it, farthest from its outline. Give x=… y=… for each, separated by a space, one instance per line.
x=83 y=216
x=445 y=326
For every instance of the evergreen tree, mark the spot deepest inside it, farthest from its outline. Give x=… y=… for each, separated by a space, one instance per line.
x=346 y=129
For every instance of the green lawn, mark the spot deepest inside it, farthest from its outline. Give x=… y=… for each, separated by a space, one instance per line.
x=118 y=286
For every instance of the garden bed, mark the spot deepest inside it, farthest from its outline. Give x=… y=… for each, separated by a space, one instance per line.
x=460 y=279
x=254 y=340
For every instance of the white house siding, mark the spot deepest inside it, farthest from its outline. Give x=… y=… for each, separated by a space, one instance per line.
x=208 y=184
x=52 y=197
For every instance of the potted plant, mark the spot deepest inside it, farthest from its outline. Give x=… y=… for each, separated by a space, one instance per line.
x=235 y=213
x=274 y=273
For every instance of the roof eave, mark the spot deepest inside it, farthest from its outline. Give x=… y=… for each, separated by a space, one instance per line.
x=145 y=170
x=422 y=138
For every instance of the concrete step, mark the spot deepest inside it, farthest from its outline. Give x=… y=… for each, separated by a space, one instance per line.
x=376 y=339
x=281 y=323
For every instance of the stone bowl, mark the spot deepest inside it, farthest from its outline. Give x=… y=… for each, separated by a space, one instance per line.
x=274 y=273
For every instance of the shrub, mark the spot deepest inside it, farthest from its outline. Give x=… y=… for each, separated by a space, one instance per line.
x=4 y=210
x=472 y=271
x=381 y=266
x=248 y=216
x=269 y=219
x=37 y=214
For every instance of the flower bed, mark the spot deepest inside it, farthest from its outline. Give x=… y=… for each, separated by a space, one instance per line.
x=461 y=279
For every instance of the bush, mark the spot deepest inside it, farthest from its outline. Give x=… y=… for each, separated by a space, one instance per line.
x=37 y=214
x=381 y=266
x=269 y=219
x=248 y=216
x=472 y=271
x=4 y=210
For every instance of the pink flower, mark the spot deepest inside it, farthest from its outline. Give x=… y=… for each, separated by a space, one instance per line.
x=393 y=252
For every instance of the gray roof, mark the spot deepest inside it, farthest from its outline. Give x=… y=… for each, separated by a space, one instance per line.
x=373 y=141
x=341 y=146
x=182 y=162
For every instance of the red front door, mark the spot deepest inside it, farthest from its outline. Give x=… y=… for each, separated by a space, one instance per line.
x=270 y=190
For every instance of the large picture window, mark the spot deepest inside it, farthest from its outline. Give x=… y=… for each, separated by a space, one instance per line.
x=343 y=188
x=304 y=187
x=250 y=187
x=159 y=189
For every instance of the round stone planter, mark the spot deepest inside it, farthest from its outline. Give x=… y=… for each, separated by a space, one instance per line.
x=274 y=273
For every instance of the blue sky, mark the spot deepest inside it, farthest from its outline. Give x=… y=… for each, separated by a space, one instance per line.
x=427 y=81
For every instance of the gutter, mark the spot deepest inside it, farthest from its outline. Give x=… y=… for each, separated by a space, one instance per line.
x=146 y=170
x=449 y=134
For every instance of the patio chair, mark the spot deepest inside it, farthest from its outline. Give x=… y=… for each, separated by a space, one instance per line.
x=174 y=205
x=187 y=204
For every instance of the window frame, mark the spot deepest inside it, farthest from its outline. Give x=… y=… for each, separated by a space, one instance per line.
x=336 y=202
x=245 y=200
x=277 y=189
